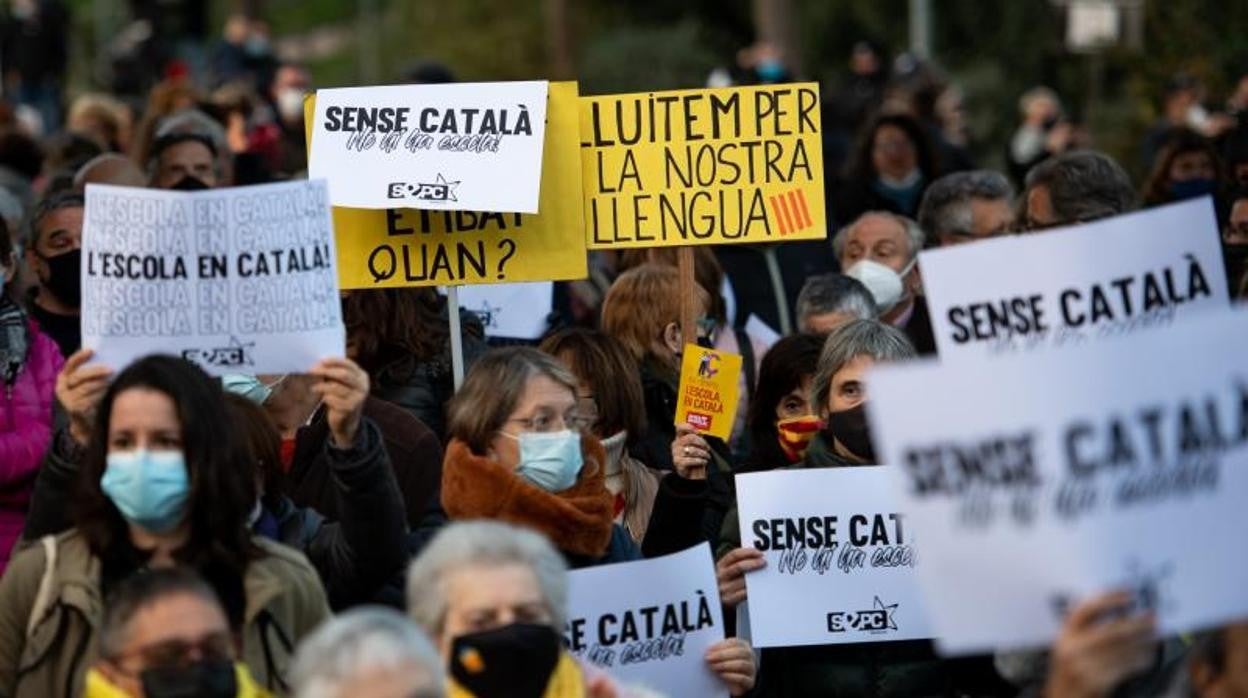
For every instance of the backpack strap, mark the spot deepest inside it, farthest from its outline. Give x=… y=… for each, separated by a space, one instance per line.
x=43 y=598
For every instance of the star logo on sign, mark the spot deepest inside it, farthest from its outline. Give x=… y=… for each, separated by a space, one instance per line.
x=450 y=187
x=888 y=612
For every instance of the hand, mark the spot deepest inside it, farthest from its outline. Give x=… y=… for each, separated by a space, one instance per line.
x=601 y=686
x=1097 y=650
x=732 y=660
x=79 y=389
x=690 y=453
x=730 y=572
x=343 y=387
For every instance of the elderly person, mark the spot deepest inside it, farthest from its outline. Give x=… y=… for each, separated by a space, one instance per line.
x=373 y=652
x=164 y=632
x=494 y=599
x=1078 y=187
x=828 y=301
x=519 y=453
x=965 y=207
x=838 y=394
x=881 y=250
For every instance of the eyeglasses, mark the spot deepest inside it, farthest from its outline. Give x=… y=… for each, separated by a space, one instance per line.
x=179 y=652
x=574 y=419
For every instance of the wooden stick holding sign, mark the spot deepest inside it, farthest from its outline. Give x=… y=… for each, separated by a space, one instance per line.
x=457 y=339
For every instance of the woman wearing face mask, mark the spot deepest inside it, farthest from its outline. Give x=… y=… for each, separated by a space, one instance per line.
x=783 y=420
x=165 y=480
x=354 y=556
x=1186 y=168
x=494 y=597
x=29 y=362
x=891 y=169
x=608 y=395
x=517 y=454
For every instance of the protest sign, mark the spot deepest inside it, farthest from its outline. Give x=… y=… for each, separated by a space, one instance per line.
x=1075 y=285
x=1041 y=479
x=457 y=146
x=700 y=167
x=238 y=280
x=654 y=634
x=709 y=390
x=511 y=311
x=408 y=247
x=841 y=558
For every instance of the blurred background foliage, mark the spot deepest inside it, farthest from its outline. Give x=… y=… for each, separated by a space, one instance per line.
x=992 y=50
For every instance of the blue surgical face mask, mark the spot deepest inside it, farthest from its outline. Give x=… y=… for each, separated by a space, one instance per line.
x=770 y=71
x=1183 y=189
x=149 y=488
x=550 y=461
x=249 y=386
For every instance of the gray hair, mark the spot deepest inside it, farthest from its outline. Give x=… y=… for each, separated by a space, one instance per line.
x=143 y=590
x=1083 y=185
x=870 y=338
x=46 y=207
x=486 y=543
x=946 y=206
x=357 y=641
x=11 y=209
x=914 y=234
x=834 y=293
x=192 y=121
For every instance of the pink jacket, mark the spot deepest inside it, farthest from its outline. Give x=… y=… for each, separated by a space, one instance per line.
x=25 y=432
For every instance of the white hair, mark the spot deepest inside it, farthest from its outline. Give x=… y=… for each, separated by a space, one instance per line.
x=357 y=641
x=483 y=543
x=914 y=234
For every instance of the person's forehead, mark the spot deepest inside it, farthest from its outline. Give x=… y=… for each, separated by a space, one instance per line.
x=1239 y=211
x=68 y=219
x=875 y=228
x=491 y=585
x=188 y=150
x=184 y=616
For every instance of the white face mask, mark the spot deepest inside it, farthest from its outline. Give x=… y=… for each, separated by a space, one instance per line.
x=290 y=103
x=885 y=285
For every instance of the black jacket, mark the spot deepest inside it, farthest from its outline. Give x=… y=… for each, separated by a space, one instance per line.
x=919 y=329
x=364 y=549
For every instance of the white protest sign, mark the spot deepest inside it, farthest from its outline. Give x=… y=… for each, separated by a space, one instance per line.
x=650 y=622
x=1042 y=479
x=238 y=280
x=513 y=311
x=841 y=558
x=1075 y=285
x=460 y=146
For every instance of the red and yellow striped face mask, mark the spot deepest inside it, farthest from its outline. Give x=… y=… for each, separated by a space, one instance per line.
x=795 y=434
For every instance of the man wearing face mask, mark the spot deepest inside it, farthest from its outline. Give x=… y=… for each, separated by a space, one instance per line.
x=164 y=634
x=290 y=84
x=184 y=161
x=54 y=256
x=881 y=250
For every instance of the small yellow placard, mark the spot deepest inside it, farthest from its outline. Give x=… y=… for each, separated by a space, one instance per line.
x=703 y=167
x=381 y=248
x=709 y=390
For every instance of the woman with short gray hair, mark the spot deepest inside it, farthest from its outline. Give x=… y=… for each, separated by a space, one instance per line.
x=494 y=598
x=368 y=651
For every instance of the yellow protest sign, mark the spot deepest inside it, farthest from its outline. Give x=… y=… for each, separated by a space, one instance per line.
x=709 y=390
x=700 y=167
x=408 y=247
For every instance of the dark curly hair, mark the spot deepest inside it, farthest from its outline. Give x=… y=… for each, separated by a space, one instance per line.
x=387 y=324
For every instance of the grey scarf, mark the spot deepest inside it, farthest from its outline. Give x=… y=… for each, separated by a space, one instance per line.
x=14 y=341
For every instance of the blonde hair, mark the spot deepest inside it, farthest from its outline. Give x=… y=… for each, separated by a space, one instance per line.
x=493 y=388
x=643 y=301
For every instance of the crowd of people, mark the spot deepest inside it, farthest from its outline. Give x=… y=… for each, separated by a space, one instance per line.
x=164 y=532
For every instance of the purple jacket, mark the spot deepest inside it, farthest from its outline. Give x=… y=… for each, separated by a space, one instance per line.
x=25 y=432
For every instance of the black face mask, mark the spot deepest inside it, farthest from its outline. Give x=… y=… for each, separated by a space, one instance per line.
x=850 y=428
x=189 y=183
x=208 y=679
x=63 y=279
x=1236 y=259
x=514 y=661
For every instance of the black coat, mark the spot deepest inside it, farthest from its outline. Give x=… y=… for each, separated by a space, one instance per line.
x=919 y=329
